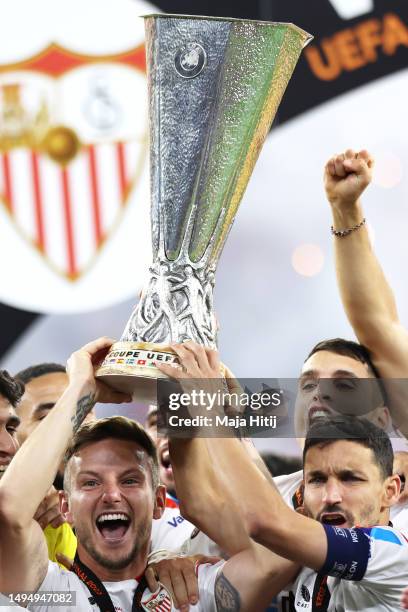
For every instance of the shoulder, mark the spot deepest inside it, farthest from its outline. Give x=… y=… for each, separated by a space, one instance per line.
x=59 y=579
x=399 y=517
x=288 y=484
x=170 y=531
x=212 y=587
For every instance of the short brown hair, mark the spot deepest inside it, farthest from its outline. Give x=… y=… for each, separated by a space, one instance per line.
x=324 y=431
x=10 y=388
x=119 y=428
x=349 y=348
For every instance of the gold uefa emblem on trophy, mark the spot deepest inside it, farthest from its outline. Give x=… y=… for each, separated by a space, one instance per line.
x=214 y=88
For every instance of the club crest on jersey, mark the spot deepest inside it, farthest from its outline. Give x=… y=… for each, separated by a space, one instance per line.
x=72 y=148
x=160 y=601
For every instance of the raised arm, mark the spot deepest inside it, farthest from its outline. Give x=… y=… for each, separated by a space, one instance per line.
x=366 y=295
x=231 y=485
x=23 y=551
x=206 y=487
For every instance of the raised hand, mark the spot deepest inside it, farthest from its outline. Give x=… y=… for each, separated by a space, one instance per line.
x=346 y=176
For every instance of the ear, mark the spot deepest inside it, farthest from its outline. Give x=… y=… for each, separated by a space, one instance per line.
x=159 y=502
x=392 y=490
x=64 y=507
x=382 y=418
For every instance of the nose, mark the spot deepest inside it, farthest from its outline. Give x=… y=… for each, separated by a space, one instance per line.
x=111 y=493
x=8 y=444
x=322 y=390
x=332 y=492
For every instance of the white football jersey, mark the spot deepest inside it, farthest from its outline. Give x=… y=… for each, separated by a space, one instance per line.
x=367 y=569
x=170 y=531
x=121 y=593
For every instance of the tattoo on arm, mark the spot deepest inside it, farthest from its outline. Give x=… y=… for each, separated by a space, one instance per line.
x=83 y=407
x=227 y=597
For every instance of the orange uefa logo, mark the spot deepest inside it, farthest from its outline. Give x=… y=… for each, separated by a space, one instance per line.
x=356 y=47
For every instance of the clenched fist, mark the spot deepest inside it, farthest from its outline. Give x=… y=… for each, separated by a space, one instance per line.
x=346 y=176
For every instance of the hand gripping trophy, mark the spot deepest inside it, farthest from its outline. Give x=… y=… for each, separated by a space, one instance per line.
x=214 y=88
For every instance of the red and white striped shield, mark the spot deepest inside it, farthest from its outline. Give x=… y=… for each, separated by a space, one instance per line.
x=73 y=142
x=160 y=601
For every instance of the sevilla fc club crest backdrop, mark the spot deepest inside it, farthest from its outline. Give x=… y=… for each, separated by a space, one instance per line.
x=72 y=149
x=73 y=159
x=74 y=224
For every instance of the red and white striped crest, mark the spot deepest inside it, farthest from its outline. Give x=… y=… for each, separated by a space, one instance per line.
x=73 y=142
x=160 y=601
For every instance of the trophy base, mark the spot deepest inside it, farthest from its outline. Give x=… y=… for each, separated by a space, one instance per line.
x=131 y=367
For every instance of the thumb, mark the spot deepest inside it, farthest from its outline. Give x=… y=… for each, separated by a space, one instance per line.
x=151 y=579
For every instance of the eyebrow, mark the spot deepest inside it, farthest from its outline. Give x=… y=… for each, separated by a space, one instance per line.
x=41 y=407
x=341 y=473
x=87 y=473
x=315 y=473
x=337 y=374
x=136 y=468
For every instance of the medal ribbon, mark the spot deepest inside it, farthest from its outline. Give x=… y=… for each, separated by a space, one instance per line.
x=98 y=591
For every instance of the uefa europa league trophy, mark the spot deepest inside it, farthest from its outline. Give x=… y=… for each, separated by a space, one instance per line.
x=214 y=88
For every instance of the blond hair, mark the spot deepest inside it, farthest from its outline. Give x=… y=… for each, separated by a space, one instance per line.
x=119 y=428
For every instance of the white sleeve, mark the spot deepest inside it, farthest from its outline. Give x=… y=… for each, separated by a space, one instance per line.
x=200 y=544
x=288 y=484
x=57 y=579
x=7 y=606
x=388 y=562
x=207 y=575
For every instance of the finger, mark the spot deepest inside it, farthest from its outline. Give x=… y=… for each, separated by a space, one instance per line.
x=358 y=166
x=214 y=360
x=179 y=588
x=364 y=154
x=339 y=166
x=64 y=560
x=350 y=154
x=330 y=167
x=187 y=360
x=232 y=382
x=199 y=353
x=97 y=345
x=191 y=583
x=170 y=370
x=49 y=516
x=151 y=579
x=58 y=522
x=40 y=510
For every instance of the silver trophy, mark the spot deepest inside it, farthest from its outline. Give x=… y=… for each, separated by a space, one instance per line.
x=214 y=88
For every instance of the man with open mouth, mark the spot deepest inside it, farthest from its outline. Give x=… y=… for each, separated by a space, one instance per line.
x=111 y=494
x=351 y=557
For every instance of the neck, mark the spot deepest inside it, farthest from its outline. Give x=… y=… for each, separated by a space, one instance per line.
x=384 y=517
x=133 y=570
